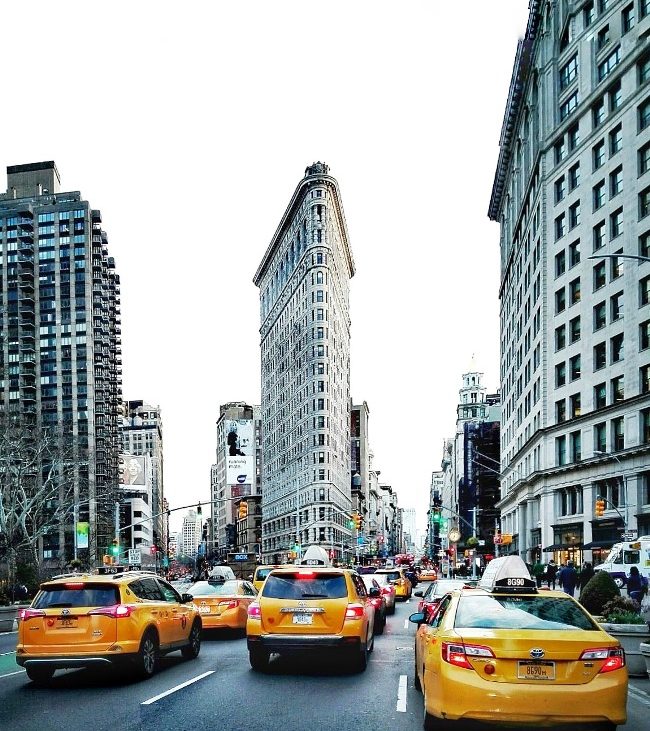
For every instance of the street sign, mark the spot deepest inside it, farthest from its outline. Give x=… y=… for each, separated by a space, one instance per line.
x=240 y=557
x=134 y=556
x=629 y=536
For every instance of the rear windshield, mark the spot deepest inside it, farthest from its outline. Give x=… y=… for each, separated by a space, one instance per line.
x=521 y=612
x=295 y=586
x=392 y=575
x=366 y=570
x=95 y=595
x=209 y=588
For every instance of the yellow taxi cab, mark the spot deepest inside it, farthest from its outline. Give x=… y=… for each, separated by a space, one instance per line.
x=428 y=575
x=262 y=571
x=223 y=603
x=508 y=653
x=126 y=618
x=312 y=607
x=397 y=577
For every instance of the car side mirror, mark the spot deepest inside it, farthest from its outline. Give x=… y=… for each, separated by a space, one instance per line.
x=186 y=598
x=417 y=618
x=374 y=591
x=419 y=593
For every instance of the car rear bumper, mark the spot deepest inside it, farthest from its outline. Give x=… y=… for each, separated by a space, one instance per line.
x=59 y=662
x=302 y=643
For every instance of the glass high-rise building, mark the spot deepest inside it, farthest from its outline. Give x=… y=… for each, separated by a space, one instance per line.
x=305 y=352
x=60 y=344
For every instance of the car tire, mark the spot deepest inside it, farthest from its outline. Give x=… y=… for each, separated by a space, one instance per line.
x=381 y=624
x=392 y=610
x=40 y=675
x=259 y=659
x=145 y=663
x=193 y=647
x=605 y=726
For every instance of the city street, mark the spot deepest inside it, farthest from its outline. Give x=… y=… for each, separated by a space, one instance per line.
x=219 y=690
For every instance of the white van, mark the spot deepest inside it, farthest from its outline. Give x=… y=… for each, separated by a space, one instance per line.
x=625 y=555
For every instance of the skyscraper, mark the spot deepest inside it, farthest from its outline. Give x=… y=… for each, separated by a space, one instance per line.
x=305 y=357
x=572 y=193
x=61 y=352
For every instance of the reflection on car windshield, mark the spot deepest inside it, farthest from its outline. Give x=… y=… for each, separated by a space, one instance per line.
x=521 y=612
x=90 y=596
x=392 y=575
x=205 y=588
x=442 y=587
x=292 y=586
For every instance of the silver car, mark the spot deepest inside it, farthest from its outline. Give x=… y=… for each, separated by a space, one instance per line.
x=387 y=590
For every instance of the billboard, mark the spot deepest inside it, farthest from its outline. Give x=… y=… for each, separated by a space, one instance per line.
x=240 y=438
x=132 y=469
x=81 y=534
x=240 y=470
x=240 y=490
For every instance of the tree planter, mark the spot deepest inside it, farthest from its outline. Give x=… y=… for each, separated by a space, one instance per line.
x=645 y=651
x=631 y=636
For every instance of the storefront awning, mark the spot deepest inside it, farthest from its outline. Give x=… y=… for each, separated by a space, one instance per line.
x=598 y=544
x=561 y=547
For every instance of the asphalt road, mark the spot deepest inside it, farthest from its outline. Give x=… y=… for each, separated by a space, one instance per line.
x=220 y=691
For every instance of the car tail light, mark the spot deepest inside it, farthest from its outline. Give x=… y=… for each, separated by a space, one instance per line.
x=254 y=611
x=306 y=574
x=354 y=611
x=229 y=604
x=387 y=590
x=117 y=611
x=25 y=614
x=614 y=657
x=458 y=654
x=74 y=585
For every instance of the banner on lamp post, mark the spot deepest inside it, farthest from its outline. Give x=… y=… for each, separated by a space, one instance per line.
x=81 y=534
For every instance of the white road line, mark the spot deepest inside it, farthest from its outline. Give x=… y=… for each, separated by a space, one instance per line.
x=18 y=672
x=401 y=694
x=639 y=696
x=406 y=624
x=178 y=687
x=13 y=652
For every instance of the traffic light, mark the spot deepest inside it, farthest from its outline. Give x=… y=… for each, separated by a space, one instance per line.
x=353 y=521
x=357 y=521
x=153 y=550
x=436 y=515
x=115 y=547
x=600 y=508
x=243 y=509
x=199 y=510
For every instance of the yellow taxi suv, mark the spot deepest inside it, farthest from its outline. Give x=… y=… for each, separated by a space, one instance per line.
x=83 y=620
x=223 y=603
x=399 y=580
x=507 y=653
x=309 y=610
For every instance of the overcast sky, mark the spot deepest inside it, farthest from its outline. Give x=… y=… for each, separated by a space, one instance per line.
x=190 y=124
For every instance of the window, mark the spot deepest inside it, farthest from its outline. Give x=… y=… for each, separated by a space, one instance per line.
x=569 y=106
x=643 y=70
x=618 y=436
x=574 y=253
x=600 y=437
x=606 y=66
x=560 y=189
x=574 y=176
x=643 y=159
x=560 y=263
x=644 y=114
x=574 y=137
x=599 y=195
x=588 y=14
x=560 y=151
x=602 y=39
x=560 y=226
x=603 y=5
x=600 y=396
x=627 y=18
x=644 y=426
x=574 y=215
x=616 y=181
x=616 y=306
x=560 y=450
x=598 y=154
x=600 y=356
x=618 y=389
x=616 y=224
x=560 y=374
x=644 y=203
x=644 y=244
x=568 y=72
x=574 y=291
x=600 y=274
x=615 y=140
x=576 y=448
x=617 y=348
x=574 y=329
x=644 y=335
x=617 y=266
x=645 y=8
x=560 y=301
x=644 y=291
x=574 y=367
x=598 y=113
x=644 y=379
x=599 y=235
x=560 y=337
x=560 y=411
x=615 y=96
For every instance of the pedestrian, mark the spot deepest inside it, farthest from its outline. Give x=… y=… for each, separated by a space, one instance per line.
x=586 y=572
x=538 y=572
x=568 y=577
x=637 y=585
x=551 y=574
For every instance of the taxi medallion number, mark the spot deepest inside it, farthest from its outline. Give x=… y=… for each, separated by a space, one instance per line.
x=302 y=619
x=536 y=670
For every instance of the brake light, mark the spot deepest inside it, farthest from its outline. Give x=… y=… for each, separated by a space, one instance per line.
x=306 y=574
x=254 y=611
x=387 y=590
x=354 y=611
x=25 y=614
x=614 y=657
x=458 y=654
x=116 y=611
x=74 y=585
x=229 y=604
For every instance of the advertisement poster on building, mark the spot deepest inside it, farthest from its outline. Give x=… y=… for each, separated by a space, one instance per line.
x=240 y=490
x=82 y=535
x=132 y=469
x=240 y=438
x=240 y=470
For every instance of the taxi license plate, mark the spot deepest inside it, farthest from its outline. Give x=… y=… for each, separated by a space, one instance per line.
x=539 y=670
x=204 y=610
x=66 y=622
x=302 y=619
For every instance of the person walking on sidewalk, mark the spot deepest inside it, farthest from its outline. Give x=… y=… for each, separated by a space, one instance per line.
x=568 y=578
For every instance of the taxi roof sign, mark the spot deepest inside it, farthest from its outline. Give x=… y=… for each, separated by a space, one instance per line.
x=508 y=574
x=315 y=556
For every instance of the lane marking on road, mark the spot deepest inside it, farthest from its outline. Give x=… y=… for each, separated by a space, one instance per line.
x=406 y=624
x=12 y=632
x=13 y=652
x=18 y=672
x=639 y=696
x=401 y=694
x=178 y=687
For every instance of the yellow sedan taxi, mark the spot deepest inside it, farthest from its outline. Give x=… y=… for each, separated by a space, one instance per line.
x=397 y=577
x=509 y=654
x=129 y=618
x=308 y=609
x=261 y=572
x=223 y=603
